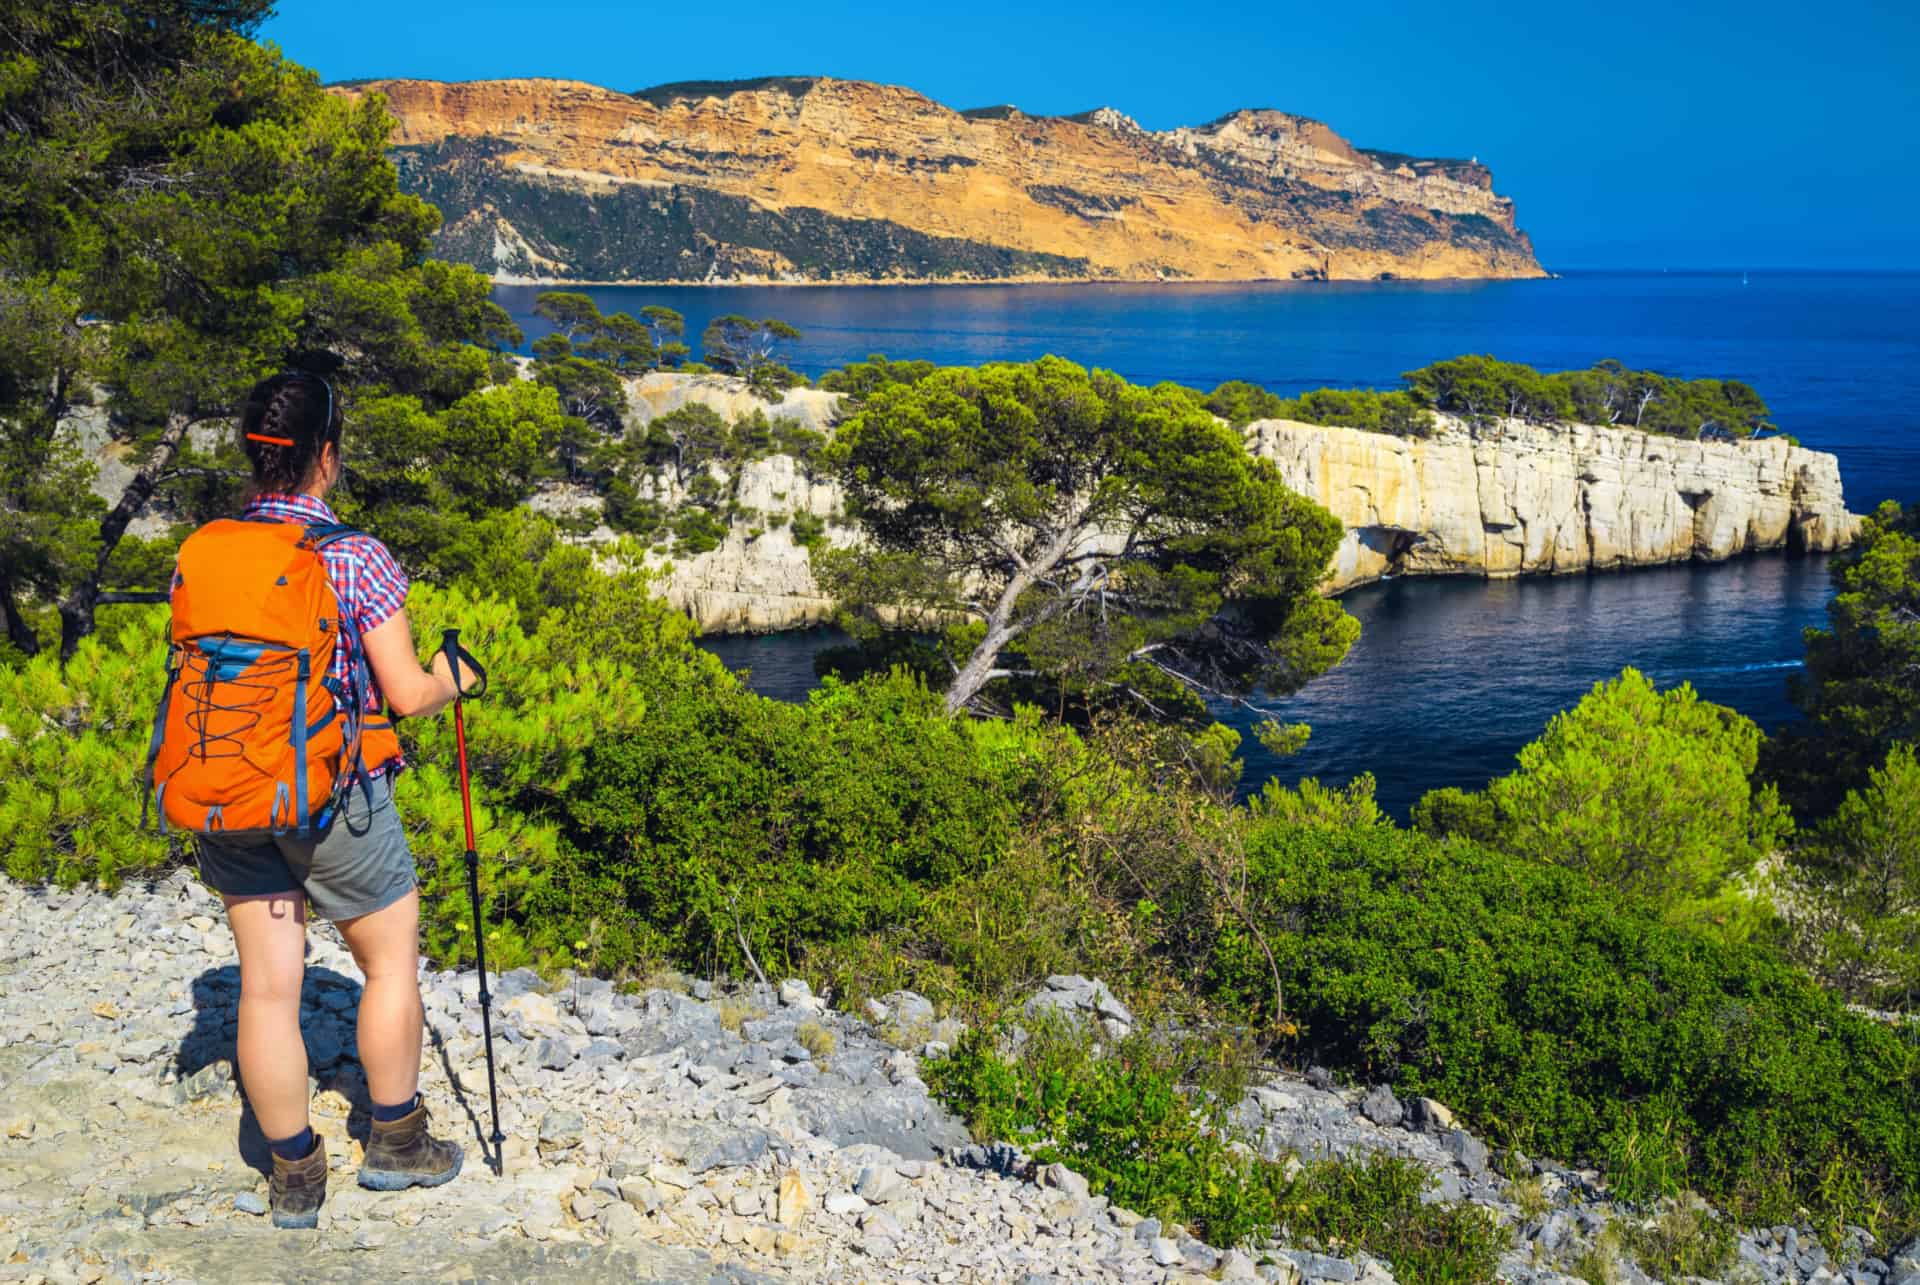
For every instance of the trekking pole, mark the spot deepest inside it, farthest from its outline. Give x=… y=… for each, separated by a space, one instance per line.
x=450 y=644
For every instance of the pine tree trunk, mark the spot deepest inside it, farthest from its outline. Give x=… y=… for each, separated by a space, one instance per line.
x=77 y=608
x=19 y=632
x=976 y=672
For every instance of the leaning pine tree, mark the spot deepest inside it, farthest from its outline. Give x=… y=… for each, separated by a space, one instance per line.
x=1081 y=537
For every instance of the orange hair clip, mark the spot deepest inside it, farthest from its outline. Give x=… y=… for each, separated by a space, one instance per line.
x=271 y=441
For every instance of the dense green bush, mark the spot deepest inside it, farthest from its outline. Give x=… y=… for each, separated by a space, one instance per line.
x=1397 y=413
x=1125 y=1120
x=557 y=690
x=859 y=379
x=731 y=823
x=696 y=531
x=1240 y=402
x=72 y=749
x=1562 y=1018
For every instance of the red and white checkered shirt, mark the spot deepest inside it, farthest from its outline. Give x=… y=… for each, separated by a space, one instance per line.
x=366 y=579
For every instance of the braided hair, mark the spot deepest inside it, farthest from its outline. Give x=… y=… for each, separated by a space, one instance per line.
x=286 y=423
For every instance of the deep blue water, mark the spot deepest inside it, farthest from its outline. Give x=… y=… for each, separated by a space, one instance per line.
x=1450 y=678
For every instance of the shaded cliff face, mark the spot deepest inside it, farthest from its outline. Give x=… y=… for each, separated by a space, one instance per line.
x=1517 y=500
x=828 y=180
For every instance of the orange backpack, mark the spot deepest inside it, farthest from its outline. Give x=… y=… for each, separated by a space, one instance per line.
x=254 y=735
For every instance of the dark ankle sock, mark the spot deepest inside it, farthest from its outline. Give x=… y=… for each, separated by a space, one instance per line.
x=298 y=1147
x=388 y=1114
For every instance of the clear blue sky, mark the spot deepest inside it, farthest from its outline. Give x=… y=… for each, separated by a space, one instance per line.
x=1712 y=133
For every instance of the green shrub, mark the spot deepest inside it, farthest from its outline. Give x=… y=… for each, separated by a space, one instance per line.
x=809 y=530
x=696 y=531
x=731 y=819
x=1686 y=1240
x=797 y=440
x=1860 y=691
x=73 y=751
x=1363 y=408
x=1240 y=403
x=1566 y=1020
x=626 y=511
x=1645 y=791
x=1124 y=1121
x=555 y=692
x=859 y=379
x=1375 y=1204
x=751 y=437
x=515 y=555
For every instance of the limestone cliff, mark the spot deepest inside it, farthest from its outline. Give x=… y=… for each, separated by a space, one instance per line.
x=1522 y=498
x=1513 y=499
x=815 y=179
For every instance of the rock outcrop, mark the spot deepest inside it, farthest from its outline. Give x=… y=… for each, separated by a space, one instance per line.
x=663 y=392
x=1519 y=499
x=816 y=179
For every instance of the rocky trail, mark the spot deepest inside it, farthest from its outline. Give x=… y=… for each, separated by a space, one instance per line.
x=684 y=1134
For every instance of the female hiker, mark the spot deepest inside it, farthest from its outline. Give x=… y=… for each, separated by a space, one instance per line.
x=256 y=605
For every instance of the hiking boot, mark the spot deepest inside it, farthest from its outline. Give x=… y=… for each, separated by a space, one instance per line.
x=401 y=1154
x=298 y=1187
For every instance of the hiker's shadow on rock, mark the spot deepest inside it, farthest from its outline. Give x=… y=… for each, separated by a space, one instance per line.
x=329 y=1009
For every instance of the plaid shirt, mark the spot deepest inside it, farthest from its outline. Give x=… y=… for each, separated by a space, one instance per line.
x=370 y=585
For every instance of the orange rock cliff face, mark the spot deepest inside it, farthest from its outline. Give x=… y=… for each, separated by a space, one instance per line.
x=803 y=179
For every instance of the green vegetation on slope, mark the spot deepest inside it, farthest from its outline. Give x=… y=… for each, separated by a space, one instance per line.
x=1125 y=1119
x=1860 y=692
x=638 y=806
x=680 y=233
x=1483 y=389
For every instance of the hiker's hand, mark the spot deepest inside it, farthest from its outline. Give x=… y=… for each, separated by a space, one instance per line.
x=469 y=676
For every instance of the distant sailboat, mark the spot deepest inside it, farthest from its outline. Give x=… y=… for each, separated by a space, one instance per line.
x=1743 y=276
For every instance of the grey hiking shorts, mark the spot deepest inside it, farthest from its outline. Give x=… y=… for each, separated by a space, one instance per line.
x=362 y=865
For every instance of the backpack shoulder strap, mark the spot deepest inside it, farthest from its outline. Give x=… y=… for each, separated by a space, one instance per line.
x=322 y=534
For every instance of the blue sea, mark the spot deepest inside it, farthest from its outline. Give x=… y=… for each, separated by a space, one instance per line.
x=1450 y=678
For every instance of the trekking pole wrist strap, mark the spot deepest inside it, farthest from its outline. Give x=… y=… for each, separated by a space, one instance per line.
x=456 y=657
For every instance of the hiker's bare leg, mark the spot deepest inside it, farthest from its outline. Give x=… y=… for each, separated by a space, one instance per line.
x=386 y=945
x=271 y=933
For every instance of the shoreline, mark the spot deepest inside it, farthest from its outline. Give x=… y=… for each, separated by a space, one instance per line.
x=1023 y=280
x=1420 y=577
